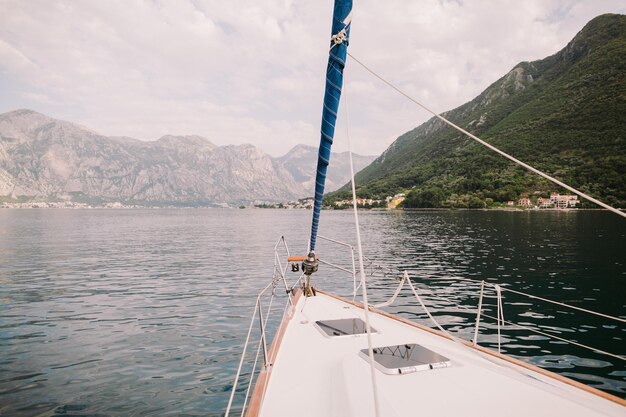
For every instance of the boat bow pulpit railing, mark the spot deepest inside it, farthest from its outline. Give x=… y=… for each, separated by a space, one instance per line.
x=267 y=297
x=484 y=291
x=281 y=251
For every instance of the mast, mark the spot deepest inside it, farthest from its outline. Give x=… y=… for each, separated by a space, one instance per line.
x=342 y=16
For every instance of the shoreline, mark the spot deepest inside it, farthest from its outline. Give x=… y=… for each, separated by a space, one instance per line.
x=507 y=209
x=521 y=210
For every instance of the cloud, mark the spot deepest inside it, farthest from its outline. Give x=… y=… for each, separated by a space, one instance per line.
x=38 y=98
x=13 y=60
x=250 y=71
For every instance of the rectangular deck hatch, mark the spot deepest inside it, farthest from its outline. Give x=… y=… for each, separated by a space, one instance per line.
x=404 y=359
x=342 y=327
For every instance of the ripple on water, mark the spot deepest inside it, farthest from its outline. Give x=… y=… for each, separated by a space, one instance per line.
x=144 y=312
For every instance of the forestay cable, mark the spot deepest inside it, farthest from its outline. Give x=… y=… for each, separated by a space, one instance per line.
x=482 y=142
x=366 y=308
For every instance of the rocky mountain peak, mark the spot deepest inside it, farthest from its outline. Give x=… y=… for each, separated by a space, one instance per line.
x=46 y=157
x=27 y=124
x=186 y=140
x=595 y=34
x=301 y=162
x=562 y=114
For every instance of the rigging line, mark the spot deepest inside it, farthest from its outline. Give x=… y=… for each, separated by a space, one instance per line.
x=477 y=282
x=500 y=313
x=393 y=297
x=432 y=318
x=532 y=330
x=584 y=310
x=561 y=304
x=256 y=359
x=245 y=348
x=552 y=336
x=366 y=308
x=271 y=353
x=499 y=318
x=482 y=142
x=461 y=343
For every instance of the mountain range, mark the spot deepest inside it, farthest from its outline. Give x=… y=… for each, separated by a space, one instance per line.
x=46 y=158
x=565 y=115
x=299 y=160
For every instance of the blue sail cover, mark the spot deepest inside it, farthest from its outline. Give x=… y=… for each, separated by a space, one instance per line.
x=334 y=82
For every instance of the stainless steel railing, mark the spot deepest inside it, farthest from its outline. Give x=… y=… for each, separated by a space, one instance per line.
x=279 y=278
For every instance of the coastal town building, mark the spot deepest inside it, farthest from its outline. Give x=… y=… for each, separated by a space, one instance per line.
x=544 y=203
x=359 y=201
x=556 y=201
x=44 y=204
x=303 y=203
x=393 y=202
x=564 y=201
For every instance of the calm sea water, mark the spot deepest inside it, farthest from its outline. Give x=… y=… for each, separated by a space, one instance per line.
x=144 y=312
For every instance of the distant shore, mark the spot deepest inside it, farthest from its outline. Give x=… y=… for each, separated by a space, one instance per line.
x=512 y=209
x=40 y=206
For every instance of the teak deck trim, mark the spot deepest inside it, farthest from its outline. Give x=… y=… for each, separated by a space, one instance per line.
x=264 y=376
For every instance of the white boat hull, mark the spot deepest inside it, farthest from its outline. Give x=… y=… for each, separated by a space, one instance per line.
x=315 y=375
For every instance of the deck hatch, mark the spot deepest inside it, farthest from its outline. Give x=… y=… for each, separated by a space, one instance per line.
x=342 y=327
x=404 y=359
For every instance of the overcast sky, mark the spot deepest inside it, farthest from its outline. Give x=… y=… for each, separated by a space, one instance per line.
x=252 y=71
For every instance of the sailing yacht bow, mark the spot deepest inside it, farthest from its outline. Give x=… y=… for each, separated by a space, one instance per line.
x=330 y=357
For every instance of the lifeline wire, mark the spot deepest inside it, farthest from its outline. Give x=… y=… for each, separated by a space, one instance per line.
x=499 y=318
x=482 y=142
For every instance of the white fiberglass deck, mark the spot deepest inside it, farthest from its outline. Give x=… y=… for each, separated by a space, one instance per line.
x=316 y=375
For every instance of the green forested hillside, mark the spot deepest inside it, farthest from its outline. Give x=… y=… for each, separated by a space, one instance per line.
x=565 y=114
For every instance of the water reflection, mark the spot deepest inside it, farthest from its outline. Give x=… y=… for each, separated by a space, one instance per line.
x=144 y=312
x=575 y=258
